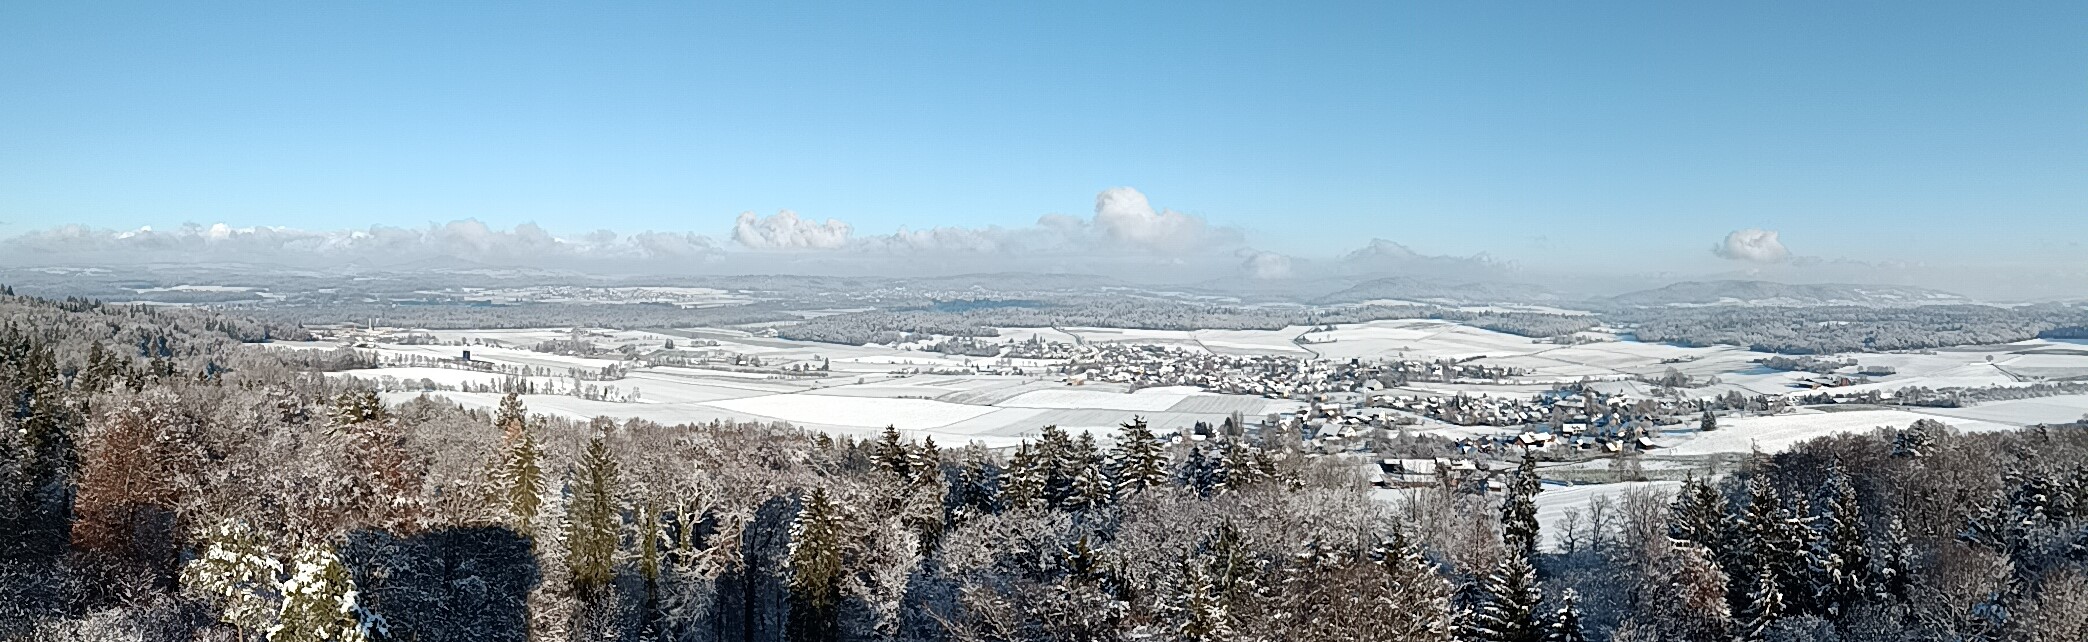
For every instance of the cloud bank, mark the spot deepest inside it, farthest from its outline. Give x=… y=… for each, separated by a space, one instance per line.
x=1753 y=246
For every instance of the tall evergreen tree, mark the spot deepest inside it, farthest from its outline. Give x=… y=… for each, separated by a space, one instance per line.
x=891 y=453
x=1841 y=561
x=593 y=520
x=1708 y=422
x=1201 y=606
x=1137 y=460
x=1417 y=597
x=512 y=417
x=1519 y=509
x=1023 y=483
x=1509 y=597
x=518 y=479
x=817 y=552
x=1565 y=624
x=1698 y=517
x=320 y=605
x=1764 y=604
x=237 y=574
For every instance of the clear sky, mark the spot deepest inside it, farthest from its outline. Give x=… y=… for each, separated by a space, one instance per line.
x=1567 y=133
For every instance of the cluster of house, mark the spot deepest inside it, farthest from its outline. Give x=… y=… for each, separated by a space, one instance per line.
x=1156 y=365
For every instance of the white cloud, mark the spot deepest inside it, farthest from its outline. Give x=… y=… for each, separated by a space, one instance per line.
x=785 y=231
x=1267 y=265
x=1124 y=215
x=471 y=240
x=1752 y=245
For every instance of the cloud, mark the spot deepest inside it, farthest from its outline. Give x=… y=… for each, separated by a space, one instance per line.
x=785 y=231
x=1752 y=245
x=470 y=240
x=1124 y=215
x=1266 y=265
x=1381 y=257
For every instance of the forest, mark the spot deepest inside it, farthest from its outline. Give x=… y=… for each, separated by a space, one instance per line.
x=163 y=478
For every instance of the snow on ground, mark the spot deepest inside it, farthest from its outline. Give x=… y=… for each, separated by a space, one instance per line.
x=1554 y=502
x=1068 y=398
x=441 y=376
x=2019 y=412
x=1771 y=433
x=906 y=414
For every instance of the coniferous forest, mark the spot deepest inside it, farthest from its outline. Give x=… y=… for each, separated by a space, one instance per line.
x=163 y=478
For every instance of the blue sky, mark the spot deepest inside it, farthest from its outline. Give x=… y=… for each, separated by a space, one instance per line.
x=1572 y=134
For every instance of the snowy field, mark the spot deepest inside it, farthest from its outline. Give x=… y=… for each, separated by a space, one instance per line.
x=955 y=399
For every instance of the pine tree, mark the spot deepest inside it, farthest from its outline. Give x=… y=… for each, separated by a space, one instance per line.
x=891 y=454
x=1138 y=461
x=593 y=527
x=1202 y=606
x=1519 y=509
x=1895 y=563
x=1776 y=541
x=1709 y=422
x=1061 y=460
x=1509 y=599
x=518 y=480
x=512 y=417
x=1765 y=603
x=320 y=604
x=1416 y=596
x=1022 y=485
x=1565 y=624
x=1198 y=472
x=816 y=555
x=1698 y=517
x=238 y=575
x=1841 y=564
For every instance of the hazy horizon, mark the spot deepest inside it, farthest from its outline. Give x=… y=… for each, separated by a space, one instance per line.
x=1588 y=148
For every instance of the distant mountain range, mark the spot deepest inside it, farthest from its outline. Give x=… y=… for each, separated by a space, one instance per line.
x=1768 y=293
x=1434 y=291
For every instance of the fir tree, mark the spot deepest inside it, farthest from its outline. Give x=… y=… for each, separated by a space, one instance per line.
x=1565 y=624
x=891 y=454
x=1507 y=609
x=1698 y=517
x=1709 y=422
x=1519 y=509
x=1764 y=604
x=1138 y=461
x=1895 y=563
x=1022 y=485
x=320 y=604
x=1416 y=596
x=816 y=555
x=238 y=575
x=1198 y=472
x=1201 y=606
x=593 y=527
x=518 y=480
x=1841 y=564
x=512 y=417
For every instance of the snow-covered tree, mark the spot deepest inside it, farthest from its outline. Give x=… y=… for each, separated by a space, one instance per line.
x=1507 y=610
x=1765 y=603
x=238 y=575
x=1708 y=422
x=593 y=519
x=1840 y=560
x=1200 y=607
x=518 y=480
x=1023 y=483
x=817 y=551
x=1137 y=460
x=1698 y=517
x=321 y=604
x=1565 y=623
x=1519 y=509
x=1416 y=596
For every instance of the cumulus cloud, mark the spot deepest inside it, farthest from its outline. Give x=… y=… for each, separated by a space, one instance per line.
x=1752 y=245
x=1266 y=265
x=785 y=231
x=1124 y=215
